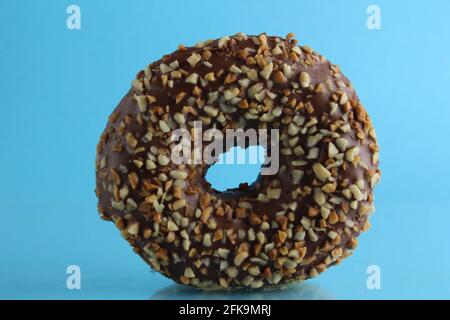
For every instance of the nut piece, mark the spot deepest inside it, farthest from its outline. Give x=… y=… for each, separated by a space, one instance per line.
x=179 y=118
x=356 y=192
x=163 y=126
x=304 y=79
x=297 y=175
x=273 y=193
x=232 y=272
x=321 y=172
x=266 y=71
x=133 y=228
x=134 y=180
x=171 y=226
x=163 y=160
x=342 y=144
x=351 y=154
x=188 y=273
x=319 y=196
x=209 y=76
x=240 y=257
x=192 y=78
x=178 y=204
x=194 y=59
x=223 y=41
x=332 y=150
x=343 y=99
x=278 y=77
x=142 y=102
x=178 y=174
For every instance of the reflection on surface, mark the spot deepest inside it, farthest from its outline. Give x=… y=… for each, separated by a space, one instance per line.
x=300 y=291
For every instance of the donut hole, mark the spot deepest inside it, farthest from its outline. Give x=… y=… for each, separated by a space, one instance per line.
x=236 y=169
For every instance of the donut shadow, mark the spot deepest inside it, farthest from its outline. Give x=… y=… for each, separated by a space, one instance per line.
x=301 y=291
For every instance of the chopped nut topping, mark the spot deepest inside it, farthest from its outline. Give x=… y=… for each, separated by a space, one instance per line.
x=209 y=76
x=223 y=41
x=267 y=70
x=193 y=59
x=356 y=192
x=134 y=180
x=319 y=196
x=344 y=99
x=171 y=226
x=133 y=228
x=273 y=193
x=240 y=257
x=320 y=199
x=304 y=79
x=142 y=103
x=329 y=187
x=351 y=154
x=342 y=144
x=321 y=172
x=297 y=50
x=178 y=204
x=163 y=126
x=252 y=75
x=165 y=68
x=179 y=118
x=332 y=150
x=176 y=174
x=192 y=78
x=213 y=112
x=188 y=273
x=278 y=77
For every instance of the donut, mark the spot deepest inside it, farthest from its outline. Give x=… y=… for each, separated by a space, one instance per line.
x=285 y=227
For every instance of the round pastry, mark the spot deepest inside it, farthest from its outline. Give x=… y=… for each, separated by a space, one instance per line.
x=285 y=227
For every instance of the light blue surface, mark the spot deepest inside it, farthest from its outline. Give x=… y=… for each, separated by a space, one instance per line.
x=58 y=86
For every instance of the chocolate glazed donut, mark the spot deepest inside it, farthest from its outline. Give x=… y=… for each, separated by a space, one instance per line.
x=285 y=227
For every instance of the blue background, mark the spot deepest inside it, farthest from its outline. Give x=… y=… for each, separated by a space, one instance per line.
x=58 y=86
